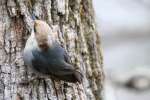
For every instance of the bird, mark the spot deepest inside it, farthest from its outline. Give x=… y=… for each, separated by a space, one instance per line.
x=45 y=55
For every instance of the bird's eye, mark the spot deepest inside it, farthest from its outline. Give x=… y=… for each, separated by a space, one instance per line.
x=43 y=46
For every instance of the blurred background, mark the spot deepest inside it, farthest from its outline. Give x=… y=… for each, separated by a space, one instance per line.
x=124 y=26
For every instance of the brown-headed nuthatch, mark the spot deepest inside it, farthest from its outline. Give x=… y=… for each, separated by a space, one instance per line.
x=46 y=56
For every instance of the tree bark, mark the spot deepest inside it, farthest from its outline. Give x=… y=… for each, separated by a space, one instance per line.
x=76 y=29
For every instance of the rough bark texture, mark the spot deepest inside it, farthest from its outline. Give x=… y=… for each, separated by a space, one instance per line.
x=74 y=22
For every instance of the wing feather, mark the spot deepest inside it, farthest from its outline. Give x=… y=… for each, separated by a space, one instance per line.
x=49 y=63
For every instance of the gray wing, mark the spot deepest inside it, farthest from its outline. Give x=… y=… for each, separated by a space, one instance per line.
x=64 y=53
x=51 y=63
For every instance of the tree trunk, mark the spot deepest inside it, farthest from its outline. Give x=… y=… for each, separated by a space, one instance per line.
x=74 y=22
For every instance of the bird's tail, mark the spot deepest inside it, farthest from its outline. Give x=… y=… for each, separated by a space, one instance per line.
x=78 y=76
x=71 y=77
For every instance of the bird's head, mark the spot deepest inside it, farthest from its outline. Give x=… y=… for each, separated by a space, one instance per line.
x=41 y=30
